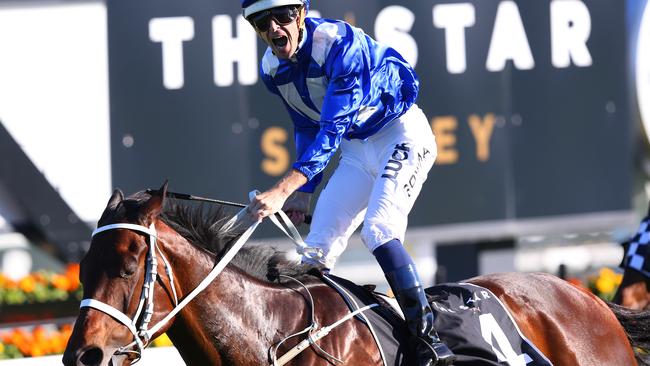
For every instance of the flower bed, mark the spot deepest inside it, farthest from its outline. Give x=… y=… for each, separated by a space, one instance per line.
x=42 y=286
x=45 y=340
x=40 y=341
x=605 y=283
x=40 y=295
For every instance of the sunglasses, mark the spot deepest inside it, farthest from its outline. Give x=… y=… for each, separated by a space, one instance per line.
x=282 y=15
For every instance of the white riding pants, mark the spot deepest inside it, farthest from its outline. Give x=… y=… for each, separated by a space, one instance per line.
x=376 y=182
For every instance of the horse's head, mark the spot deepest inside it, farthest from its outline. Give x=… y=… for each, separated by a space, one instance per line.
x=113 y=274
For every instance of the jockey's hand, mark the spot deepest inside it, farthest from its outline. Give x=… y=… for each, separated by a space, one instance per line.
x=269 y=202
x=297 y=206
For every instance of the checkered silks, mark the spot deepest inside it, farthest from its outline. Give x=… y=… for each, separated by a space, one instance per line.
x=636 y=249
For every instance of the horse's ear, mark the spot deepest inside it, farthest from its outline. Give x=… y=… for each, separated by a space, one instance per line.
x=154 y=205
x=115 y=199
x=163 y=189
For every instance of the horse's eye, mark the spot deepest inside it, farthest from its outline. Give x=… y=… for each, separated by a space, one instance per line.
x=134 y=247
x=125 y=274
x=128 y=270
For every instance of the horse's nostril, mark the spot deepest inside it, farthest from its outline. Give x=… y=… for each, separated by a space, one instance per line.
x=92 y=356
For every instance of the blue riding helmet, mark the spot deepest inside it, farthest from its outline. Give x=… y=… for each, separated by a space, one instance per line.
x=254 y=6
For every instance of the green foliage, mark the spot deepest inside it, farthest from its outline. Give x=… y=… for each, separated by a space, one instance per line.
x=9 y=351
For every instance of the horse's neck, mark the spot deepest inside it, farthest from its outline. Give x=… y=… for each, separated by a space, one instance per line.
x=236 y=312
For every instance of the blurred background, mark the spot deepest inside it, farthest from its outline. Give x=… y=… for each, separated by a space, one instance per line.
x=538 y=108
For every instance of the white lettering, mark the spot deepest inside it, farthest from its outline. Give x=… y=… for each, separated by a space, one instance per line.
x=171 y=33
x=509 y=41
x=570 y=30
x=475 y=297
x=454 y=18
x=228 y=50
x=391 y=28
x=497 y=339
x=442 y=308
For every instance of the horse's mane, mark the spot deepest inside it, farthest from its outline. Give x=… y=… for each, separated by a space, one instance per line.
x=203 y=228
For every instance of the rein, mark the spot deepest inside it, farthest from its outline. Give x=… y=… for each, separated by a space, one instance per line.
x=286 y=226
x=191 y=197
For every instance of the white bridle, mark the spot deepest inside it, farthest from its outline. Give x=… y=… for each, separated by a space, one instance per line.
x=142 y=334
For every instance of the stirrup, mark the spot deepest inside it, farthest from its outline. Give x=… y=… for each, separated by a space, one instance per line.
x=434 y=354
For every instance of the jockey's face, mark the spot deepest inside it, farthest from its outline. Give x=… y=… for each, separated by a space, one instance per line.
x=279 y=28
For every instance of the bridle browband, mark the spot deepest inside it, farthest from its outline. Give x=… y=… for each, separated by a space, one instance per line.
x=142 y=333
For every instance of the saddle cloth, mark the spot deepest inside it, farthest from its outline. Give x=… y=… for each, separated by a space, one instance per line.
x=470 y=319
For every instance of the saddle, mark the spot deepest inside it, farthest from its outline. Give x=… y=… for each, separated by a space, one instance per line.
x=470 y=319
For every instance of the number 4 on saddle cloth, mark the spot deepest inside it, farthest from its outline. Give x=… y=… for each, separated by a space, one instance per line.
x=470 y=319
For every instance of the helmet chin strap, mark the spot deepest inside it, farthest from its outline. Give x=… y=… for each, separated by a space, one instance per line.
x=301 y=27
x=301 y=33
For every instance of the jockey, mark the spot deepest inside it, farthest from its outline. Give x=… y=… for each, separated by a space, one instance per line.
x=344 y=90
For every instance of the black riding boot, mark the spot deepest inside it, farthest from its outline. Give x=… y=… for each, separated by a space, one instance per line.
x=405 y=283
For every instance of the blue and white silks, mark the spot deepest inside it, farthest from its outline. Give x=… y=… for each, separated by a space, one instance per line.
x=340 y=84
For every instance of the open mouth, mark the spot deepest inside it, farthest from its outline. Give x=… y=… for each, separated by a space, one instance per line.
x=280 y=41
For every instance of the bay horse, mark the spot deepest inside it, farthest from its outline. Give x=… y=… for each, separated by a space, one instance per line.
x=634 y=290
x=250 y=307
